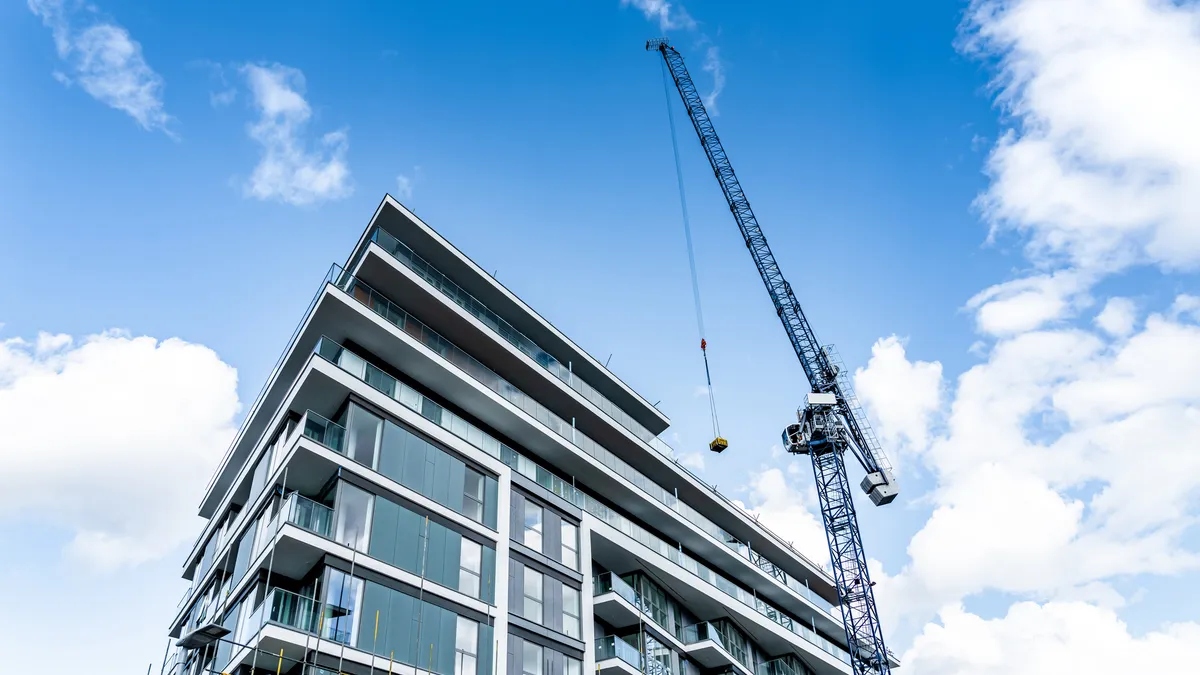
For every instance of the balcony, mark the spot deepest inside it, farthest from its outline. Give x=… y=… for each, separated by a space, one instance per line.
x=615 y=656
x=705 y=645
x=615 y=601
x=309 y=515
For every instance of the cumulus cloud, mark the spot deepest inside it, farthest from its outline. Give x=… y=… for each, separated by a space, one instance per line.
x=288 y=171
x=1030 y=302
x=1050 y=473
x=901 y=397
x=112 y=438
x=1101 y=167
x=105 y=61
x=1050 y=639
x=1117 y=317
x=786 y=512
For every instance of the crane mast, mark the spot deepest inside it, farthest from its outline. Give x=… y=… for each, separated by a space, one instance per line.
x=831 y=421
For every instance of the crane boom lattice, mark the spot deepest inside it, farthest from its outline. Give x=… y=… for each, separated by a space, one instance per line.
x=831 y=423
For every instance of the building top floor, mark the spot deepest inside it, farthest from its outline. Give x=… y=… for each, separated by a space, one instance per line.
x=408 y=239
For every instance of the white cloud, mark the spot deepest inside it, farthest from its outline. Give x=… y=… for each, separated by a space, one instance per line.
x=1050 y=473
x=112 y=438
x=288 y=171
x=787 y=513
x=1050 y=639
x=901 y=397
x=1102 y=165
x=714 y=67
x=404 y=187
x=693 y=460
x=106 y=62
x=405 y=183
x=667 y=15
x=1117 y=317
x=1030 y=302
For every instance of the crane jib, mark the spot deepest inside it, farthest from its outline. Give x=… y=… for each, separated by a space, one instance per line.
x=827 y=416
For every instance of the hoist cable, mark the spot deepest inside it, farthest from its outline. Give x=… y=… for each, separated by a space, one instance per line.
x=687 y=234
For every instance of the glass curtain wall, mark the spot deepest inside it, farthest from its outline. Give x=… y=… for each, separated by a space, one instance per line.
x=420 y=465
x=661 y=607
x=421 y=634
x=424 y=547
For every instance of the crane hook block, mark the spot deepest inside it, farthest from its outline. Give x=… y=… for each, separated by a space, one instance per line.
x=718 y=444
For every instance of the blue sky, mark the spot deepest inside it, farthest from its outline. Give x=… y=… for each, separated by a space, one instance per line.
x=951 y=174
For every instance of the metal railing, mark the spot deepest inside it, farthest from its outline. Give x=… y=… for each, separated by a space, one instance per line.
x=611 y=583
x=309 y=515
x=613 y=647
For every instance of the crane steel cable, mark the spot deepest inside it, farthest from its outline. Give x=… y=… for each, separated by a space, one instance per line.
x=718 y=441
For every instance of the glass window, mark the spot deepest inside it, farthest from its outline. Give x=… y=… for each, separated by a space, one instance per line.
x=533 y=526
x=531 y=658
x=533 y=596
x=466 y=647
x=365 y=430
x=473 y=495
x=570 y=545
x=571 y=611
x=470 y=568
x=354 y=508
x=343 y=595
x=574 y=667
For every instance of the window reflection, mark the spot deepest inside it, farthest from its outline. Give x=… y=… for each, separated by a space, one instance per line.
x=343 y=595
x=354 y=508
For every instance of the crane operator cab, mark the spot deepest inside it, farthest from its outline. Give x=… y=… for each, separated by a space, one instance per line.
x=821 y=430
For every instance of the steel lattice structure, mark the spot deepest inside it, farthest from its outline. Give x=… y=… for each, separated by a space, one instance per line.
x=861 y=620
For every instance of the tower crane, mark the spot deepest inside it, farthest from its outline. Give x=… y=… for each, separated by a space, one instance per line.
x=831 y=420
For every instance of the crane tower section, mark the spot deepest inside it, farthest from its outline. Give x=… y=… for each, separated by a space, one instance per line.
x=832 y=420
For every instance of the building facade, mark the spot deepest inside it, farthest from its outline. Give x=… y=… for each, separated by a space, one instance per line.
x=436 y=480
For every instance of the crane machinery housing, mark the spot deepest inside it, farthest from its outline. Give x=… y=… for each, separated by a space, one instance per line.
x=830 y=422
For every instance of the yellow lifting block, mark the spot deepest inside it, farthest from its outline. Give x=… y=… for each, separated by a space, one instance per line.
x=718 y=444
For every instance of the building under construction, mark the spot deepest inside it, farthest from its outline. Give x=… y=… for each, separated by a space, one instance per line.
x=435 y=479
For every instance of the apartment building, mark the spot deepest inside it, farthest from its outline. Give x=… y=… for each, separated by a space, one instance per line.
x=435 y=479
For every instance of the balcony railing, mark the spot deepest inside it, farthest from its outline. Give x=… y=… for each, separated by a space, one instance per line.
x=297 y=612
x=309 y=515
x=611 y=583
x=484 y=375
x=321 y=430
x=412 y=399
x=699 y=632
x=783 y=665
x=613 y=647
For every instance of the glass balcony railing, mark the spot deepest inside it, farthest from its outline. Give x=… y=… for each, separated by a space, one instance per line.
x=290 y=609
x=323 y=431
x=484 y=375
x=611 y=583
x=700 y=632
x=309 y=515
x=516 y=338
x=613 y=647
x=430 y=410
x=784 y=665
